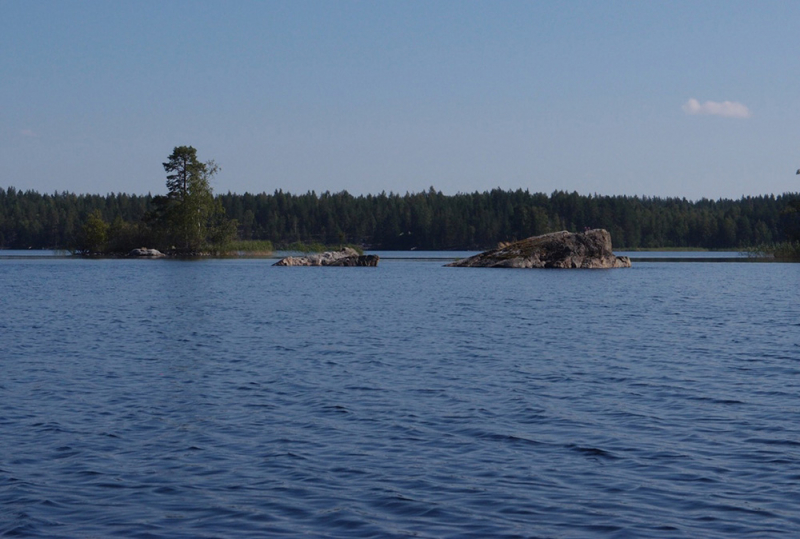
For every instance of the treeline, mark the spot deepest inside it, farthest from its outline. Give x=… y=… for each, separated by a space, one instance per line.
x=425 y=220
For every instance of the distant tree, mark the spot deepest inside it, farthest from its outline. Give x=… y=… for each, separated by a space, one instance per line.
x=95 y=233
x=191 y=216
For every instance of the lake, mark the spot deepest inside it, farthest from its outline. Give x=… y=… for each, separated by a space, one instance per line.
x=230 y=398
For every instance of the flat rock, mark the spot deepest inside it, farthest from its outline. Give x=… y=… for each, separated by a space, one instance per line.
x=146 y=253
x=590 y=249
x=347 y=256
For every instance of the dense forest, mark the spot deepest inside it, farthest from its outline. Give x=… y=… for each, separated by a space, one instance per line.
x=425 y=220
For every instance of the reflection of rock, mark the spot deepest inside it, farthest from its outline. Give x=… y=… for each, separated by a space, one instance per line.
x=345 y=257
x=147 y=253
x=590 y=249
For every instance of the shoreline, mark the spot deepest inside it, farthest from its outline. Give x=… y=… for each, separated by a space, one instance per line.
x=406 y=256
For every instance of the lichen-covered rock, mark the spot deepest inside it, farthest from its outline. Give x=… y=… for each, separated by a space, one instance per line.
x=590 y=249
x=369 y=261
x=146 y=253
x=347 y=256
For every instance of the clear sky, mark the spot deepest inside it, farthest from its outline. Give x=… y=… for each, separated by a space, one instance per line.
x=658 y=98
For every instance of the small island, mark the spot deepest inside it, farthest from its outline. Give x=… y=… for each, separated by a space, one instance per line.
x=188 y=222
x=589 y=250
x=347 y=257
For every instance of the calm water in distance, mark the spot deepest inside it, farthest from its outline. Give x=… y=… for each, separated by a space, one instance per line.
x=230 y=398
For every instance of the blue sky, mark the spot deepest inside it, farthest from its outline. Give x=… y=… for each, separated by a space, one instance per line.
x=688 y=99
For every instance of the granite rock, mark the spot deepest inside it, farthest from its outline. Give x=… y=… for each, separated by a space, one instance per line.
x=590 y=250
x=347 y=256
x=146 y=253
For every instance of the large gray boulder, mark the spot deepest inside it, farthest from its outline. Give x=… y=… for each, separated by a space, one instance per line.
x=144 y=252
x=590 y=249
x=347 y=256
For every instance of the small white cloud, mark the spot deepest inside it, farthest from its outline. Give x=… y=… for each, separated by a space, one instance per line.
x=27 y=133
x=729 y=109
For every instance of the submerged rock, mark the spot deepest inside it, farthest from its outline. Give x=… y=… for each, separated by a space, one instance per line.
x=347 y=256
x=590 y=249
x=146 y=253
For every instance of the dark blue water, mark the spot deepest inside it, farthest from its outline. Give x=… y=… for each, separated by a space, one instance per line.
x=230 y=398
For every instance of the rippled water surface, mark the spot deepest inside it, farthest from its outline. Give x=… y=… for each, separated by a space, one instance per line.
x=229 y=398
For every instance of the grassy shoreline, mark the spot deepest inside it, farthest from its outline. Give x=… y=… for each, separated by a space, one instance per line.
x=786 y=251
x=265 y=249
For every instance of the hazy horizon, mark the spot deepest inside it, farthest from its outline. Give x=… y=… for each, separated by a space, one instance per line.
x=400 y=193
